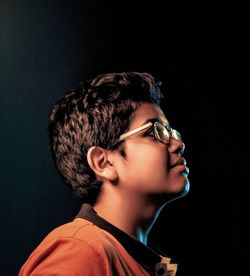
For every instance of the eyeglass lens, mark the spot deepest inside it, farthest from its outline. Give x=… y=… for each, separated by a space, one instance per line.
x=164 y=134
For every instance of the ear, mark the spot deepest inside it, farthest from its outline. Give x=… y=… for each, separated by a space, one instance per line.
x=98 y=160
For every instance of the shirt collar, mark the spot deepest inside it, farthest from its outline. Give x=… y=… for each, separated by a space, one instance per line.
x=148 y=258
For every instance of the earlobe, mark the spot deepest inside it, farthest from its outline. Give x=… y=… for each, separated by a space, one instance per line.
x=98 y=160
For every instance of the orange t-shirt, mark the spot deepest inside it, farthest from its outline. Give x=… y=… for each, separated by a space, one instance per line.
x=80 y=248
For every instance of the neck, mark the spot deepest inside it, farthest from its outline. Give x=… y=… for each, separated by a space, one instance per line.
x=135 y=216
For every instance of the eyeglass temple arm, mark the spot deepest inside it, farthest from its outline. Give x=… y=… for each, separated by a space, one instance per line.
x=129 y=133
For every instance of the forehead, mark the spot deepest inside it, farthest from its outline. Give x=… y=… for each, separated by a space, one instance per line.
x=146 y=112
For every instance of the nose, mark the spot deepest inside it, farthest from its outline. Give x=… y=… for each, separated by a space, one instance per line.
x=176 y=146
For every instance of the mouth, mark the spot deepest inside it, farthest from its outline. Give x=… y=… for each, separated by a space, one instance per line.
x=179 y=162
x=181 y=165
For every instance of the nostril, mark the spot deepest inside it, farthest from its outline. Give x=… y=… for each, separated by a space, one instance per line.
x=176 y=146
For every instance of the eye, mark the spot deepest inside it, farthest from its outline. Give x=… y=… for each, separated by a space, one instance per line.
x=150 y=132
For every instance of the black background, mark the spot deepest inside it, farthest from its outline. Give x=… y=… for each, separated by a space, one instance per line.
x=198 y=49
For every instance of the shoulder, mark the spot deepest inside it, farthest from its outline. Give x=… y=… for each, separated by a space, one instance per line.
x=79 y=230
x=76 y=245
x=72 y=229
x=80 y=235
x=81 y=248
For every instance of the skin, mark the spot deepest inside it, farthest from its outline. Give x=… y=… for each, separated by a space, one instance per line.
x=136 y=187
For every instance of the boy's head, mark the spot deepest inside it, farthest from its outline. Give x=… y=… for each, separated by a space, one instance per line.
x=95 y=114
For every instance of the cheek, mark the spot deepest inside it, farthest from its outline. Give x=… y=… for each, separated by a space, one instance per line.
x=148 y=163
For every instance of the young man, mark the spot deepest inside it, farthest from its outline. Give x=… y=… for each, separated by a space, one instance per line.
x=115 y=148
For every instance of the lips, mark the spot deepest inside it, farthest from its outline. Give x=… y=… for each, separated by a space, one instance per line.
x=180 y=161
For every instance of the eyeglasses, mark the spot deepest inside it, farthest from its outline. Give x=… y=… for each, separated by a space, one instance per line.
x=162 y=132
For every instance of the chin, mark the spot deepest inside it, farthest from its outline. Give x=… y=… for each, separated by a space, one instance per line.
x=186 y=188
x=178 y=193
x=181 y=192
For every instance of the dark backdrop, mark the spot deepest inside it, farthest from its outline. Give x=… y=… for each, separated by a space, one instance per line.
x=199 y=50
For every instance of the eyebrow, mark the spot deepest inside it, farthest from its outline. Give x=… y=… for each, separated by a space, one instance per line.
x=152 y=120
